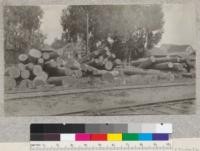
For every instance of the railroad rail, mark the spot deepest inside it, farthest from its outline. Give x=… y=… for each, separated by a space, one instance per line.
x=97 y=101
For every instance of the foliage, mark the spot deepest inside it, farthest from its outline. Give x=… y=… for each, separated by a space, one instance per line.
x=120 y=22
x=21 y=27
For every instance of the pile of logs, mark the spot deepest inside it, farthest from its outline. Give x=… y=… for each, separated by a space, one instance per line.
x=103 y=59
x=52 y=68
x=35 y=67
x=176 y=64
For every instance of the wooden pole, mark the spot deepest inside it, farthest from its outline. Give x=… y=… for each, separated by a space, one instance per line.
x=87 y=35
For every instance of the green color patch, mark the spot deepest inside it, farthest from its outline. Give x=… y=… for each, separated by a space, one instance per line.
x=130 y=136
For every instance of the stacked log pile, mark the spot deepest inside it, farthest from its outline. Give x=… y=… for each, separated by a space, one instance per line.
x=103 y=59
x=173 y=64
x=36 y=67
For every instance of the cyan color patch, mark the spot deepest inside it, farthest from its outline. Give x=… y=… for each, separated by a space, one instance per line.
x=145 y=137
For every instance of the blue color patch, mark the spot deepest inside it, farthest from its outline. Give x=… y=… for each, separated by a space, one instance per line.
x=145 y=137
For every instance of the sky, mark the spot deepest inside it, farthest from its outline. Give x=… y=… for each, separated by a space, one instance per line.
x=51 y=22
x=179 y=27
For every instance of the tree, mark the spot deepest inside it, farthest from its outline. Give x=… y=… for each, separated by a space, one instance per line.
x=121 y=22
x=21 y=26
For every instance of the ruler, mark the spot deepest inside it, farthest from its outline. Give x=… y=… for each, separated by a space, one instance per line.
x=101 y=146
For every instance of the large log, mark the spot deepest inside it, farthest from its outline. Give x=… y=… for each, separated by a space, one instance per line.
x=29 y=66
x=25 y=74
x=35 y=53
x=23 y=58
x=9 y=83
x=135 y=71
x=41 y=80
x=13 y=72
x=37 y=70
x=51 y=64
x=60 y=62
x=40 y=61
x=169 y=59
x=108 y=65
x=21 y=66
x=73 y=64
x=25 y=84
x=147 y=63
x=45 y=56
x=163 y=66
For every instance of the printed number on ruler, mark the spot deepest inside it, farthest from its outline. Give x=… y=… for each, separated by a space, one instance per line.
x=101 y=146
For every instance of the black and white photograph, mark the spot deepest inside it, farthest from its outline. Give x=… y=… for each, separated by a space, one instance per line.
x=100 y=60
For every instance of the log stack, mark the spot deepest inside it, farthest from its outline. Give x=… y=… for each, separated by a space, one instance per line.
x=36 y=67
x=103 y=59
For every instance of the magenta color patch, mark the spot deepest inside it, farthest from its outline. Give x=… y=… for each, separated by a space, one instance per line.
x=82 y=137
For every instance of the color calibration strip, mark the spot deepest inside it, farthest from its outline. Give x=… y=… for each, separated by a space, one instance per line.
x=101 y=137
x=95 y=132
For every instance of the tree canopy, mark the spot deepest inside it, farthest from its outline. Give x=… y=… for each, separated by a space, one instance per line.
x=119 y=21
x=21 y=27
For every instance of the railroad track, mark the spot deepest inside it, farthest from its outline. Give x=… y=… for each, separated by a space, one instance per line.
x=163 y=108
x=165 y=98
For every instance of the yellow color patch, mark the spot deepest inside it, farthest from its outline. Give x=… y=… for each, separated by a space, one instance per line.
x=114 y=137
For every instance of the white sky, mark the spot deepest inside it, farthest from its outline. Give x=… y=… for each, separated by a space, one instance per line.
x=179 y=27
x=51 y=22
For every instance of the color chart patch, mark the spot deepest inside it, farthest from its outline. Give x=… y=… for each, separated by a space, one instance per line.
x=98 y=132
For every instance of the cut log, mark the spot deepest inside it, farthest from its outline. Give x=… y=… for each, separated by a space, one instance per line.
x=21 y=66
x=188 y=75
x=45 y=56
x=25 y=74
x=139 y=61
x=40 y=61
x=147 y=63
x=13 y=72
x=51 y=64
x=135 y=71
x=35 y=53
x=169 y=59
x=118 y=62
x=60 y=62
x=53 y=55
x=29 y=66
x=23 y=58
x=73 y=64
x=9 y=83
x=25 y=84
x=37 y=70
x=109 y=65
x=40 y=81
x=163 y=66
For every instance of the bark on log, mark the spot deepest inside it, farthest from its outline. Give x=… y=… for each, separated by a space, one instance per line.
x=147 y=63
x=163 y=66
